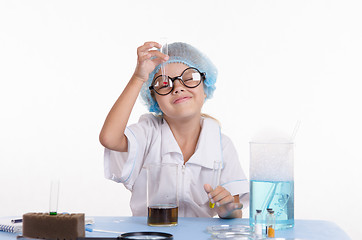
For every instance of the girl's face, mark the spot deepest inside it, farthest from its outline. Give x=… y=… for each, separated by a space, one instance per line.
x=182 y=102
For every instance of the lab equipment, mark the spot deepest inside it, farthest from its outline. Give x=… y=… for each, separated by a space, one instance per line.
x=162 y=197
x=54 y=196
x=270 y=224
x=218 y=229
x=215 y=178
x=146 y=235
x=234 y=236
x=272 y=181
x=60 y=226
x=135 y=235
x=164 y=50
x=259 y=222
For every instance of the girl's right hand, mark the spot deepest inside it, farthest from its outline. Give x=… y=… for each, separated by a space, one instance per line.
x=148 y=59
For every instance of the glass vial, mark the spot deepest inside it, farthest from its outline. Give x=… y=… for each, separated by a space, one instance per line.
x=270 y=224
x=258 y=228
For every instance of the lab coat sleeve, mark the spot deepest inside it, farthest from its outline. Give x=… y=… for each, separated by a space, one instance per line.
x=232 y=176
x=124 y=167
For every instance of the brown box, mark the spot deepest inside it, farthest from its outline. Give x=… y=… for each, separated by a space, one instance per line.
x=57 y=227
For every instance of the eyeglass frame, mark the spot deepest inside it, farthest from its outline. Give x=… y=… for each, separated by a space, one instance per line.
x=202 y=74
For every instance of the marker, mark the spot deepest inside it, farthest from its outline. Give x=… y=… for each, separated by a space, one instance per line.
x=17 y=220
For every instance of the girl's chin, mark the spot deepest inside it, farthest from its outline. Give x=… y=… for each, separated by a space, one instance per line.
x=182 y=113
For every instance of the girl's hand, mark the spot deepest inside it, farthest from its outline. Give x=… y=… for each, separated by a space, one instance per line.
x=227 y=206
x=148 y=59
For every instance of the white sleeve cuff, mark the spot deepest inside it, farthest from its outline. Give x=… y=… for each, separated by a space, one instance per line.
x=119 y=166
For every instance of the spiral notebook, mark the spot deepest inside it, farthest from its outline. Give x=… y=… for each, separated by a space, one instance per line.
x=7 y=226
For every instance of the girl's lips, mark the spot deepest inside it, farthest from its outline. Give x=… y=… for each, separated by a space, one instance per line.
x=181 y=99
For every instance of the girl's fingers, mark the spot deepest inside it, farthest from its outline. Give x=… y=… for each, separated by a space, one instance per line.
x=147 y=46
x=221 y=196
x=233 y=206
x=216 y=191
x=155 y=53
x=207 y=188
x=148 y=58
x=152 y=53
x=144 y=58
x=224 y=201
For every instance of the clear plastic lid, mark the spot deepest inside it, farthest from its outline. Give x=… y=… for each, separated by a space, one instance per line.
x=234 y=236
x=218 y=229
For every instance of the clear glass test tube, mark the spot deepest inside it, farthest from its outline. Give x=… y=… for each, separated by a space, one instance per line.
x=54 y=197
x=215 y=178
x=164 y=50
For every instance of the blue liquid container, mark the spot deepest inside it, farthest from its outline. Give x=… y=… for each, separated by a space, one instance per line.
x=278 y=195
x=272 y=182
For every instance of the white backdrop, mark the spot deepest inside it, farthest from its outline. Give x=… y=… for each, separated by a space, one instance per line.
x=64 y=63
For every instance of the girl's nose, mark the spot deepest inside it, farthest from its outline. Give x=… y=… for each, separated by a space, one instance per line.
x=178 y=87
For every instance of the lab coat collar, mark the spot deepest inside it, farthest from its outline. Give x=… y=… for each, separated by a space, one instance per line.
x=208 y=147
x=169 y=143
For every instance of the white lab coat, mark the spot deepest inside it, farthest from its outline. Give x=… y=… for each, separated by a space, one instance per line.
x=151 y=141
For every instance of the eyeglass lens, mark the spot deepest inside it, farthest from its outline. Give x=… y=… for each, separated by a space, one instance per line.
x=190 y=78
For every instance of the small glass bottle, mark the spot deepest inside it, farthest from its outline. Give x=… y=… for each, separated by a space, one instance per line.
x=265 y=229
x=270 y=224
x=258 y=229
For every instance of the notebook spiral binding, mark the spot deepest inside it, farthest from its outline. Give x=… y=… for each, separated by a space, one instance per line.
x=10 y=228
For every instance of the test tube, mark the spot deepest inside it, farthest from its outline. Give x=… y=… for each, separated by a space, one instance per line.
x=164 y=50
x=215 y=178
x=54 y=196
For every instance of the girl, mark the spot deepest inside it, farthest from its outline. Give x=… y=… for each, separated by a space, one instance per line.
x=177 y=132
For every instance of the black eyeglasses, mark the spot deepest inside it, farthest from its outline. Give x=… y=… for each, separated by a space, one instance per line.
x=191 y=77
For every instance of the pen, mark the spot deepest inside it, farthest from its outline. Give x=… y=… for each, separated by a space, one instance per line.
x=17 y=220
x=89 y=229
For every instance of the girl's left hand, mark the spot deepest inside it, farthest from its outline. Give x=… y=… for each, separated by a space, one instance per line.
x=227 y=205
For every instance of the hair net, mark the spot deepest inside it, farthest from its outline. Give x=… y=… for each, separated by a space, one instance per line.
x=182 y=53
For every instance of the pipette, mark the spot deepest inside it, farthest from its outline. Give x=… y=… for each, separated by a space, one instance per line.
x=215 y=179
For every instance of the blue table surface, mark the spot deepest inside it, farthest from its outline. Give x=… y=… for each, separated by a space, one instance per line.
x=195 y=228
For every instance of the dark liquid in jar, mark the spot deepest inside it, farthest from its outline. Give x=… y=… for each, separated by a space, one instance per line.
x=162 y=215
